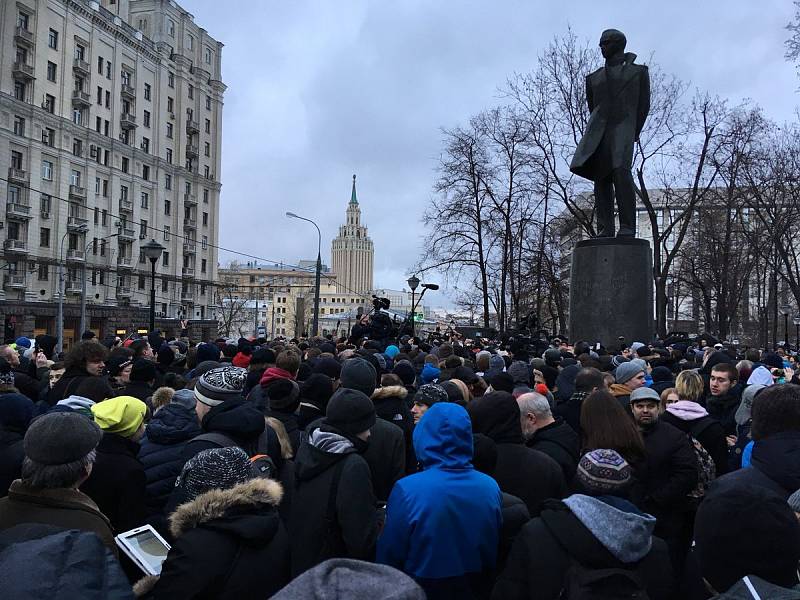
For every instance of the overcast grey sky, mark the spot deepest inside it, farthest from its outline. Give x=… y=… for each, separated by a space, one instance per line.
x=318 y=91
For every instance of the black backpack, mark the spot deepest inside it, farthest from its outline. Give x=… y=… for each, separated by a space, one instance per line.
x=261 y=465
x=583 y=583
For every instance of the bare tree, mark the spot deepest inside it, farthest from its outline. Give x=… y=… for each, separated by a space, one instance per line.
x=232 y=311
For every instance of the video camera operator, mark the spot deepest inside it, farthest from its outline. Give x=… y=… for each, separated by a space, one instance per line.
x=376 y=325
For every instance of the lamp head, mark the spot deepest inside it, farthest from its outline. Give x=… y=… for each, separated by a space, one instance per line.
x=413 y=282
x=152 y=250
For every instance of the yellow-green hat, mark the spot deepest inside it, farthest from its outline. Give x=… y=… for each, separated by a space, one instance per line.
x=122 y=415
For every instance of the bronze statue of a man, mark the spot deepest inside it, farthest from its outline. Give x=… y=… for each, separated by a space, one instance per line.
x=618 y=96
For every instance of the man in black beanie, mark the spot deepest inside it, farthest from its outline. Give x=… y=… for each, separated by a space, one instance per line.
x=143 y=376
x=334 y=511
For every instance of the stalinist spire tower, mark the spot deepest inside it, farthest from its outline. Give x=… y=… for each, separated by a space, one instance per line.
x=352 y=251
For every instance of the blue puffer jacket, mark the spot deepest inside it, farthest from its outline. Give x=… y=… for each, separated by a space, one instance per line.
x=165 y=438
x=444 y=522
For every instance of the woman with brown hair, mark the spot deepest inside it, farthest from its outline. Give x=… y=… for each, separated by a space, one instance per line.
x=605 y=424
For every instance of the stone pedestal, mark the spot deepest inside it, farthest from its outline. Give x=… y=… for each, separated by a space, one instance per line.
x=611 y=291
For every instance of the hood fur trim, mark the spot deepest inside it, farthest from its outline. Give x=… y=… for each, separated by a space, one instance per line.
x=213 y=503
x=145 y=585
x=390 y=391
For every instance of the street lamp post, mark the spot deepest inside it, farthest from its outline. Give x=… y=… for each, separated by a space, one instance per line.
x=796 y=321
x=785 y=309
x=315 y=328
x=413 y=283
x=83 y=228
x=152 y=250
x=83 y=285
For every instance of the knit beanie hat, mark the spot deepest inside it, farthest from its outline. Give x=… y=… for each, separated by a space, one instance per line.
x=430 y=393
x=742 y=531
x=328 y=366
x=185 y=398
x=794 y=501
x=617 y=360
x=214 y=469
x=405 y=371
x=520 y=372
x=207 y=351
x=115 y=364
x=603 y=472
x=284 y=395
x=122 y=415
x=23 y=342
x=392 y=351
x=16 y=412
x=496 y=362
x=317 y=390
x=350 y=411
x=627 y=371
x=220 y=384
x=358 y=374
x=429 y=374
x=59 y=438
x=143 y=370
x=263 y=356
x=502 y=382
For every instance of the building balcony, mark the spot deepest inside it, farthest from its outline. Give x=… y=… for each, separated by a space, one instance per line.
x=81 y=99
x=17 y=210
x=124 y=292
x=187 y=295
x=127 y=234
x=81 y=66
x=76 y=223
x=76 y=191
x=128 y=91
x=17 y=175
x=192 y=151
x=74 y=288
x=190 y=199
x=127 y=121
x=189 y=247
x=22 y=71
x=190 y=222
x=14 y=282
x=188 y=271
x=23 y=36
x=16 y=246
x=76 y=255
x=192 y=127
x=125 y=262
x=125 y=205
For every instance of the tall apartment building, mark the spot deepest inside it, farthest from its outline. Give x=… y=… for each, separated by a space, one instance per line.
x=352 y=253
x=110 y=129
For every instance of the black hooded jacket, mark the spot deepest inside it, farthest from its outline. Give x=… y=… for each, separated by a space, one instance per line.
x=775 y=465
x=560 y=442
x=237 y=419
x=390 y=406
x=328 y=460
x=723 y=408
x=528 y=474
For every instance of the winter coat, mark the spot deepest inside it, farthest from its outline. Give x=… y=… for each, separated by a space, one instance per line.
x=11 y=455
x=61 y=507
x=229 y=544
x=621 y=393
x=385 y=456
x=117 y=483
x=138 y=389
x=515 y=515
x=350 y=529
x=775 y=465
x=237 y=419
x=596 y=533
x=390 y=405
x=67 y=385
x=43 y=561
x=166 y=436
x=741 y=590
x=559 y=442
x=444 y=522
x=570 y=411
x=693 y=419
x=723 y=408
x=289 y=421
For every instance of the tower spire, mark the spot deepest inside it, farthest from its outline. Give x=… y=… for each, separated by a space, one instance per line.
x=353 y=199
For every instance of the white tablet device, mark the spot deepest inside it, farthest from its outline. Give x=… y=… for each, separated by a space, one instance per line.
x=144 y=547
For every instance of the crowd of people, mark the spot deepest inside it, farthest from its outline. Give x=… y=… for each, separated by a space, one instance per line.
x=356 y=468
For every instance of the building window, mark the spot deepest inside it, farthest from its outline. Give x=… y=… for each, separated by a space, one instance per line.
x=49 y=103
x=167 y=181
x=99 y=96
x=80 y=52
x=164 y=288
x=141 y=282
x=208 y=125
x=98 y=124
x=171 y=79
x=77 y=147
x=96 y=219
x=167 y=207
x=48 y=136
x=104 y=218
x=191 y=92
x=123 y=192
x=208 y=56
x=145 y=200
x=203 y=263
x=107 y=132
x=205 y=218
x=52 y=39
x=171 y=27
x=108 y=99
x=205 y=196
x=146 y=144
x=126 y=77
x=166 y=233
x=207 y=149
x=169 y=155
x=51 y=71
x=146 y=118
x=47 y=170
x=169 y=130
x=205 y=242
x=143 y=229
x=108 y=69
x=44 y=237
x=146 y=172
x=44 y=204
x=19 y=126
x=170 y=105
x=100 y=62
x=16 y=159
x=22 y=20
x=165 y=258
x=75 y=178
x=147 y=91
x=77 y=116
x=43 y=271
x=125 y=164
x=208 y=102
x=190 y=42
x=206 y=172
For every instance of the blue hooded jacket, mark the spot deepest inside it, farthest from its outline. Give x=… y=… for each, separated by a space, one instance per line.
x=445 y=521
